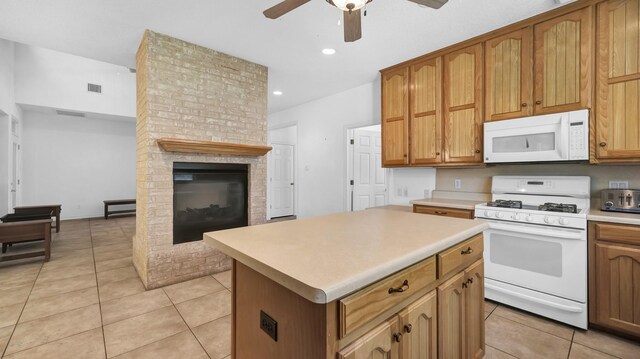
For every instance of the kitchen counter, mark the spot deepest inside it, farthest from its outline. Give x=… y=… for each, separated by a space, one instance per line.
x=595 y=214
x=325 y=258
x=448 y=203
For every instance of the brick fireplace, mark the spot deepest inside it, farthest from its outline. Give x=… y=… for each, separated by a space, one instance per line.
x=186 y=91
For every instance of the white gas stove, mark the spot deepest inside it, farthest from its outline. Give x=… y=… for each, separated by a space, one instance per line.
x=536 y=245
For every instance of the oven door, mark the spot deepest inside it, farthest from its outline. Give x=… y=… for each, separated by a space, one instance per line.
x=533 y=139
x=541 y=258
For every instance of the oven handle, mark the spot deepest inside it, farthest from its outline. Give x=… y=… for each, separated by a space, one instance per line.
x=547 y=303
x=541 y=232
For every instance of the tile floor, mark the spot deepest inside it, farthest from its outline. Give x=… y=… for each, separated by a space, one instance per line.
x=87 y=302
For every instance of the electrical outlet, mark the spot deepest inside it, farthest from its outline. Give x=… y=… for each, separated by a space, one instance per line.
x=269 y=326
x=458 y=183
x=405 y=192
x=618 y=184
x=427 y=193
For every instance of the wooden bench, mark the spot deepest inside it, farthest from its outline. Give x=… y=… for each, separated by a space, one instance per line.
x=55 y=210
x=26 y=231
x=118 y=202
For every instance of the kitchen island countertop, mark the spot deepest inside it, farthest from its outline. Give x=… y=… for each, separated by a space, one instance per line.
x=325 y=258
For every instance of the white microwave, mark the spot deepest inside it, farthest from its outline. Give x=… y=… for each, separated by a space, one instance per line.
x=556 y=137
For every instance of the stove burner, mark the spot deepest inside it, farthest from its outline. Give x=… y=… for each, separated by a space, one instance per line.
x=558 y=207
x=505 y=204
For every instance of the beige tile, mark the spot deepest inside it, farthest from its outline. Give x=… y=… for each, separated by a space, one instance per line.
x=86 y=345
x=581 y=352
x=67 y=272
x=523 y=341
x=224 y=278
x=14 y=295
x=45 y=330
x=11 y=270
x=144 y=329
x=493 y=353
x=122 y=308
x=534 y=321
x=113 y=264
x=120 y=253
x=607 y=343
x=9 y=281
x=44 y=307
x=119 y=289
x=5 y=334
x=194 y=288
x=111 y=244
x=117 y=246
x=115 y=275
x=181 y=345
x=68 y=262
x=215 y=337
x=9 y=315
x=52 y=287
x=205 y=309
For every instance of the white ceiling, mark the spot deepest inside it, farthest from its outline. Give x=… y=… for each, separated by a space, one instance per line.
x=393 y=31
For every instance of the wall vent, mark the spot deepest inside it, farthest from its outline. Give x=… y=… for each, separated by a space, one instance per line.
x=94 y=88
x=69 y=113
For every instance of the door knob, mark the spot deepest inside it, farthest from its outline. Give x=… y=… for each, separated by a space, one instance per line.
x=408 y=328
x=397 y=337
x=292 y=183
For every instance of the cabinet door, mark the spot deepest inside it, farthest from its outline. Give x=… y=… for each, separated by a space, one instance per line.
x=451 y=313
x=379 y=343
x=426 y=114
x=474 y=306
x=618 y=287
x=463 y=105
x=395 y=122
x=420 y=328
x=509 y=76
x=563 y=54
x=618 y=80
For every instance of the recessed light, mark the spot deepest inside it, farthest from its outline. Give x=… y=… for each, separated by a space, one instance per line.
x=277 y=93
x=328 y=51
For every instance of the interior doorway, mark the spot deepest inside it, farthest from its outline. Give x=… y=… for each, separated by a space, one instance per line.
x=368 y=180
x=14 y=165
x=281 y=169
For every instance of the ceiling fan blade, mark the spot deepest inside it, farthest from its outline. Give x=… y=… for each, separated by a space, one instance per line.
x=436 y=4
x=282 y=8
x=352 y=26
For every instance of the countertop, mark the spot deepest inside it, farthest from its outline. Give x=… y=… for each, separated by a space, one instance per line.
x=325 y=258
x=448 y=203
x=595 y=214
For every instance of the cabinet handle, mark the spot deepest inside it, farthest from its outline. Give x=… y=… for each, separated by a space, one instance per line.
x=477 y=151
x=397 y=337
x=437 y=153
x=405 y=155
x=524 y=104
x=538 y=102
x=441 y=213
x=403 y=288
x=408 y=328
x=470 y=280
x=603 y=144
x=467 y=251
x=464 y=284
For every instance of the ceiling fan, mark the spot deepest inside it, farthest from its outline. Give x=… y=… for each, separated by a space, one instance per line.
x=351 y=9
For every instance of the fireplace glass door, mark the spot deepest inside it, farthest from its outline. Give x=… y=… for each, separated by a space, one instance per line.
x=208 y=197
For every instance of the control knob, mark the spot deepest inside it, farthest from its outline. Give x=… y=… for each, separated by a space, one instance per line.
x=488 y=213
x=563 y=221
x=516 y=217
x=499 y=215
x=549 y=220
x=529 y=218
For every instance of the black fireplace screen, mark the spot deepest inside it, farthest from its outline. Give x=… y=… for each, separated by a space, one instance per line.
x=208 y=197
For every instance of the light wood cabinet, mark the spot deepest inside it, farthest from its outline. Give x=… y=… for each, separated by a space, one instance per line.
x=562 y=66
x=509 y=75
x=420 y=327
x=378 y=343
x=614 y=269
x=426 y=112
x=618 y=81
x=395 y=119
x=461 y=314
x=444 y=211
x=463 y=105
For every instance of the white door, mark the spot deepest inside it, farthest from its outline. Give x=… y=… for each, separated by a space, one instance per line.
x=13 y=186
x=281 y=180
x=369 y=178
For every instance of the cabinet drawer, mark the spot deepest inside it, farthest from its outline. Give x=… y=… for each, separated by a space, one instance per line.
x=444 y=211
x=460 y=256
x=618 y=233
x=368 y=303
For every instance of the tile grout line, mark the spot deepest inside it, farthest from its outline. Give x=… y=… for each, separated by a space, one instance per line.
x=500 y=350
x=542 y=331
x=187 y=324
x=104 y=339
x=573 y=334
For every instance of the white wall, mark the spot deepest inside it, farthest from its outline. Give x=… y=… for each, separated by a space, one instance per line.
x=78 y=162
x=406 y=184
x=48 y=78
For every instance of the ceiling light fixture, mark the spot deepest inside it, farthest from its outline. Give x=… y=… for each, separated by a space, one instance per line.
x=277 y=93
x=349 y=5
x=328 y=51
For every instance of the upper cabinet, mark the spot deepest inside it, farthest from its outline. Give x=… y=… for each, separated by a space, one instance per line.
x=509 y=76
x=395 y=119
x=463 y=105
x=618 y=81
x=426 y=112
x=563 y=53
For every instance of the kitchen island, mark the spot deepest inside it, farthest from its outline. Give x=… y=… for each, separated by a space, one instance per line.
x=349 y=284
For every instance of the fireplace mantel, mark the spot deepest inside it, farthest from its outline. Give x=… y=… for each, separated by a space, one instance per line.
x=208 y=147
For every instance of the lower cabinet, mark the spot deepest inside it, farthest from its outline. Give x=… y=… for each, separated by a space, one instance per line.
x=447 y=322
